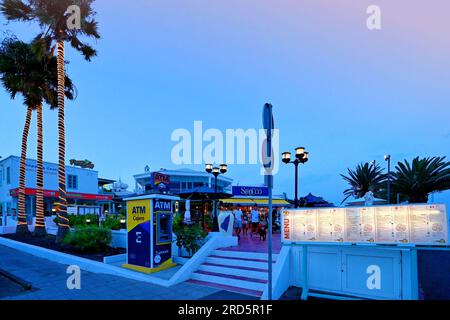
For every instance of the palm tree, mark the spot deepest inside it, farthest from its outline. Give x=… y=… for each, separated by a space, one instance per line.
x=422 y=177
x=52 y=17
x=31 y=71
x=366 y=177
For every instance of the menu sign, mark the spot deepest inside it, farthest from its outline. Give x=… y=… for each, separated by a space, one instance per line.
x=331 y=224
x=360 y=224
x=428 y=224
x=417 y=224
x=384 y=227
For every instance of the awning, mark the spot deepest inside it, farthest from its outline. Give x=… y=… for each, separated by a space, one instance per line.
x=70 y=195
x=250 y=201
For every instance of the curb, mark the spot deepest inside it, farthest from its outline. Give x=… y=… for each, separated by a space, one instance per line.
x=83 y=263
x=26 y=285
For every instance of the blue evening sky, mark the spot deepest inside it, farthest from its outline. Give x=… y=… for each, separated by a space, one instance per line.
x=347 y=94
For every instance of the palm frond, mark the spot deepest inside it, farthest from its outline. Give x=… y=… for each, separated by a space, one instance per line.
x=418 y=179
x=29 y=69
x=362 y=179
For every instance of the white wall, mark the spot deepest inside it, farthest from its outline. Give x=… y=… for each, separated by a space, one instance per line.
x=87 y=179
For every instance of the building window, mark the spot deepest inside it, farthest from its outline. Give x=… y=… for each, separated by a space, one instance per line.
x=8 y=175
x=72 y=181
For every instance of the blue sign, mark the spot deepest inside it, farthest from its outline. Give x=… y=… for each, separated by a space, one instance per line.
x=250 y=191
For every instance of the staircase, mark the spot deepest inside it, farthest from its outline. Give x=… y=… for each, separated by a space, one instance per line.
x=236 y=271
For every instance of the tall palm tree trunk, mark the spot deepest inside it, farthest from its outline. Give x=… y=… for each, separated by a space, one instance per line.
x=39 y=228
x=22 y=226
x=63 y=221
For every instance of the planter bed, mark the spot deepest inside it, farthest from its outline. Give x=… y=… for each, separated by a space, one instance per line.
x=48 y=242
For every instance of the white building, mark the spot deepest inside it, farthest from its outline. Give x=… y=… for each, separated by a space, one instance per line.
x=83 y=192
x=182 y=180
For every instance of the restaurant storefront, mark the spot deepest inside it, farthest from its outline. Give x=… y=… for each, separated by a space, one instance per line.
x=78 y=203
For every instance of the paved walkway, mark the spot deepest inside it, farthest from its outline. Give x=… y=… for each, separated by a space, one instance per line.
x=248 y=243
x=49 y=282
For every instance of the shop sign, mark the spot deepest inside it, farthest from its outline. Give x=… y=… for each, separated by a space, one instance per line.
x=85 y=164
x=250 y=191
x=160 y=181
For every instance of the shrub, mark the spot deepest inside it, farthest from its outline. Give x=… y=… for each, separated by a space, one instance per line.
x=208 y=222
x=80 y=220
x=189 y=236
x=112 y=222
x=89 y=239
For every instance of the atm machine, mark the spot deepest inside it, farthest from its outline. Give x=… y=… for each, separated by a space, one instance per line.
x=149 y=226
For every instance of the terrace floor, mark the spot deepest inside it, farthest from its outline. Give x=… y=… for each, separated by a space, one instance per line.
x=254 y=244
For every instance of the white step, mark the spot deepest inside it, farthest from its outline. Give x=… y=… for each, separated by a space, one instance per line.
x=229 y=282
x=235 y=272
x=237 y=263
x=243 y=255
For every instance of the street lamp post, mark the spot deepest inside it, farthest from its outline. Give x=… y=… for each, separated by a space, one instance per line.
x=388 y=159
x=301 y=156
x=216 y=171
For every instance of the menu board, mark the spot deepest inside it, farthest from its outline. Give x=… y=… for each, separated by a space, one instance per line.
x=428 y=224
x=417 y=224
x=325 y=225
x=299 y=227
x=360 y=224
x=331 y=224
x=384 y=224
x=400 y=224
x=338 y=224
x=368 y=224
x=311 y=224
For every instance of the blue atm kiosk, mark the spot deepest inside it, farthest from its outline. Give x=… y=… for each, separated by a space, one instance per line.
x=149 y=238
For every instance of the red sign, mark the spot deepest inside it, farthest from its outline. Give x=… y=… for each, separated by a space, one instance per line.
x=70 y=195
x=160 y=179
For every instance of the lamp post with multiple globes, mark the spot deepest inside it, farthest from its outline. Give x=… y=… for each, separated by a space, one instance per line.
x=301 y=156
x=216 y=171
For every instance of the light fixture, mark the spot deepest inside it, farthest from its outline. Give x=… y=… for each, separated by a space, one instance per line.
x=286 y=157
x=216 y=171
x=301 y=157
x=123 y=221
x=299 y=152
x=387 y=157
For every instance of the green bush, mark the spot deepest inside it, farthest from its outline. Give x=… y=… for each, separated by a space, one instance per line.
x=208 y=222
x=189 y=236
x=80 y=220
x=89 y=239
x=113 y=222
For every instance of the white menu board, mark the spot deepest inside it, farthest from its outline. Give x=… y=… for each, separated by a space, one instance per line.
x=384 y=224
x=368 y=226
x=417 y=224
x=401 y=223
x=353 y=224
x=299 y=227
x=338 y=224
x=325 y=225
x=311 y=224
x=428 y=224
